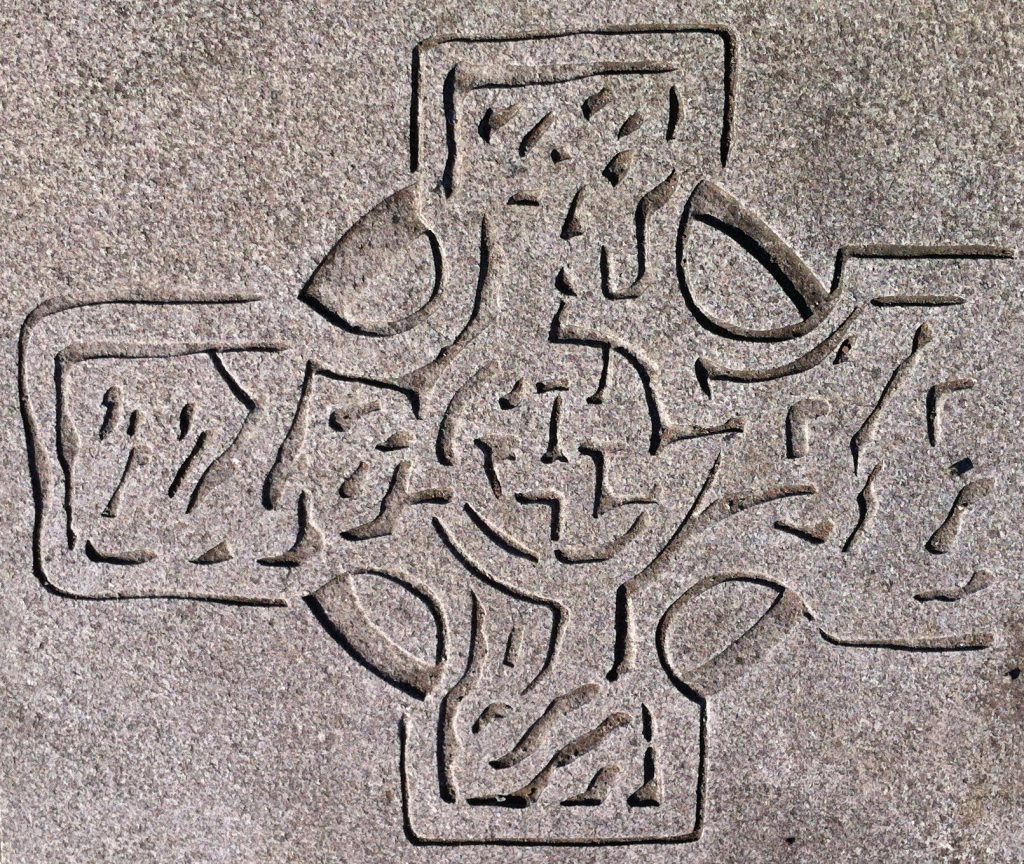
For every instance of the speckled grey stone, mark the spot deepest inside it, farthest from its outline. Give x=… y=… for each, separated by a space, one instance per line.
x=475 y=431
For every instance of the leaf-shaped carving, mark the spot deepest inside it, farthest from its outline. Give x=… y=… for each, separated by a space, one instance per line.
x=717 y=630
x=337 y=606
x=386 y=262
x=712 y=206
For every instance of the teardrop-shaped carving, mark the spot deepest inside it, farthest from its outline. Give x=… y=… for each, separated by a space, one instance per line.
x=717 y=630
x=711 y=205
x=387 y=261
x=338 y=607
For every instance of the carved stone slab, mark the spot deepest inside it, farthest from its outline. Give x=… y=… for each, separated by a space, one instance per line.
x=621 y=462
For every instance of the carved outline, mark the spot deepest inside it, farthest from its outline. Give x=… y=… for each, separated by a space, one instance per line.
x=729 y=74
x=39 y=457
x=730 y=61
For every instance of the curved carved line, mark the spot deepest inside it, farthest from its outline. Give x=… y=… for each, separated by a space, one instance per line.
x=624 y=652
x=421 y=380
x=125 y=558
x=559 y=614
x=538 y=733
x=719 y=510
x=929 y=644
x=508 y=543
x=711 y=676
x=980 y=580
x=946 y=534
x=652 y=201
x=708 y=370
x=222 y=466
x=867 y=503
x=603 y=551
x=391 y=226
x=447 y=429
x=337 y=607
x=309 y=540
x=866 y=433
x=645 y=369
x=448 y=734
x=564 y=756
x=713 y=206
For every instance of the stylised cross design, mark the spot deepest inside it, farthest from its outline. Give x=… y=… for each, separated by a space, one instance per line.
x=521 y=404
